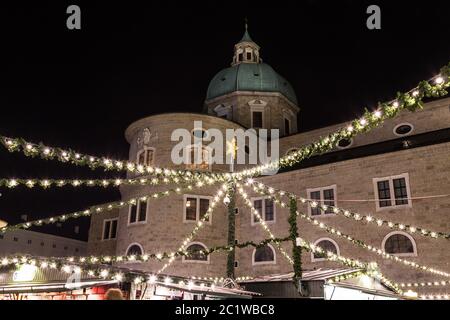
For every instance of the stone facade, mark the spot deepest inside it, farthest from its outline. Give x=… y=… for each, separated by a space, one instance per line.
x=427 y=168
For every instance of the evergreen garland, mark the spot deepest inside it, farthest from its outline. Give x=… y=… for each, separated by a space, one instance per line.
x=293 y=235
x=231 y=230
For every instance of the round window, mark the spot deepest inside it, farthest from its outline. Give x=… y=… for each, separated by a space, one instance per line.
x=403 y=129
x=345 y=143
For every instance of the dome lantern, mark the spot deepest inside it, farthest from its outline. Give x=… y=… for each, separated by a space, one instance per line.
x=246 y=50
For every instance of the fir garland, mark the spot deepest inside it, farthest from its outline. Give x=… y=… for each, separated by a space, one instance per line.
x=293 y=234
x=231 y=229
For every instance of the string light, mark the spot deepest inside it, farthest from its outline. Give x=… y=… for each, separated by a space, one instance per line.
x=359 y=217
x=360 y=243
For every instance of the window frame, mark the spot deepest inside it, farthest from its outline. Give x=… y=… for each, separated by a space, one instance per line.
x=261 y=109
x=138 y=206
x=391 y=192
x=259 y=263
x=263 y=213
x=403 y=124
x=187 y=151
x=110 y=228
x=404 y=254
x=285 y=118
x=184 y=260
x=132 y=244
x=197 y=213
x=322 y=200
x=338 y=251
x=144 y=149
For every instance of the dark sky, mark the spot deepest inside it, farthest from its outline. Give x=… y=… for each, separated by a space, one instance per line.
x=81 y=89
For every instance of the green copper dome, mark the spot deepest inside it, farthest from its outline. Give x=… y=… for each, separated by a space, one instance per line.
x=249 y=77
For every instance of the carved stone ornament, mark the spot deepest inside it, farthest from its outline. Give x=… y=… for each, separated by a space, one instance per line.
x=146 y=137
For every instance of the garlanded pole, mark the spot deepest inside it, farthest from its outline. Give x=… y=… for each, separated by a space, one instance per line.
x=293 y=234
x=231 y=203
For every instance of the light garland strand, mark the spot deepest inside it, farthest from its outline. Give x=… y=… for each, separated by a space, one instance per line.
x=411 y=100
x=360 y=243
x=436 y=296
x=111 y=272
x=198 y=226
x=69 y=156
x=94 y=209
x=356 y=216
x=117 y=182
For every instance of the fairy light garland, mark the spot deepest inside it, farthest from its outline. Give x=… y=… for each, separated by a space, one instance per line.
x=261 y=221
x=411 y=100
x=117 y=182
x=96 y=209
x=356 y=216
x=360 y=243
x=436 y=296
x=198 y=226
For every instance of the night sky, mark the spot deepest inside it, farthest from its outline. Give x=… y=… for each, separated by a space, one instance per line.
x=82 y=88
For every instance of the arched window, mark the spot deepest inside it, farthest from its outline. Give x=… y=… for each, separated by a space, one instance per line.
x=264 y=255
x=197 y=158
x=196 y=253
x=399 y=244
x=135 y=249
x=326 y=244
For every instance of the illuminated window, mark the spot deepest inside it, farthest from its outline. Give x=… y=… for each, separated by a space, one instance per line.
x=197 y=158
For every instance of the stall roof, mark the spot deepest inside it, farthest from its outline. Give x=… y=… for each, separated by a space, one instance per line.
x=318 y=274
x=216 y=292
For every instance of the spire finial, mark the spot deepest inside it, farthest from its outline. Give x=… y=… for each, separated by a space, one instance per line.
x=246 y=24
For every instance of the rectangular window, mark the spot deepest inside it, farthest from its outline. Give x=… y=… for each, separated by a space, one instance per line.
x=392 y=192
x=257 y=119
x=195 y=208
x=287 y=126
x=265 y=208
x=249 y=56
x=138 y=212
x=109 y=229
x=146 y=156
x=29 y=241
x=322 y=196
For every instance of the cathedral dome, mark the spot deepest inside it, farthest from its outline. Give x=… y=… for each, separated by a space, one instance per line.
x=249 y=77
x=249 y=73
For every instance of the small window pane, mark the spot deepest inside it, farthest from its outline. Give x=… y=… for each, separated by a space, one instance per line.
x=315 y=195
x=257 y=119
x=398 y=243
x=384 y=193
x=328 y=199
x=142 y=210
x=264 y=254
x=204 y=205
x=257 y=204
x=133 y=214
x=269 y=214
x=113 y=229
x=191 y=209
x=107 y=230
x=400 y=192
